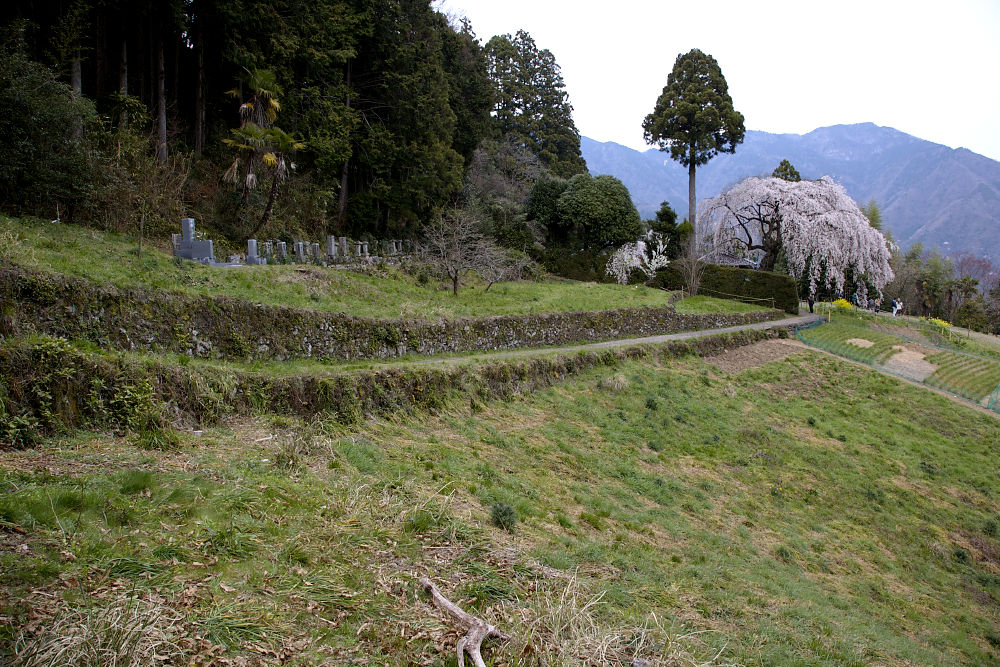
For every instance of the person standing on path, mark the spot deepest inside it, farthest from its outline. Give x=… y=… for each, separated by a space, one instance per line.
x=812 y=300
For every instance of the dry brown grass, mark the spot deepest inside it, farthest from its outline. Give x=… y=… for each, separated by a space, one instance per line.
x=122 y=631
x=562 y=624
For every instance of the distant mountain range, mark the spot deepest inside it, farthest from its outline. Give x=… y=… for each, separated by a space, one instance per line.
x=928 y=193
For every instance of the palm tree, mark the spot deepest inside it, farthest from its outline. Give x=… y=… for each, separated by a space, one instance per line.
x=283 y=147
x=257 y=142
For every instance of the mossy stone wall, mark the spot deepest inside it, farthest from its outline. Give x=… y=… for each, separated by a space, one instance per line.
x=50 y=385
x=227 y=328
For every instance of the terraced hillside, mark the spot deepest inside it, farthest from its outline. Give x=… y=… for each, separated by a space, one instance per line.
x=918 y=351
x=802 y=512
x=727 y=499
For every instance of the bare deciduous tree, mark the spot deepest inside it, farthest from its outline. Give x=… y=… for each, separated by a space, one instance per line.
x=500 y=264
x=691 y=265
x=454 y=245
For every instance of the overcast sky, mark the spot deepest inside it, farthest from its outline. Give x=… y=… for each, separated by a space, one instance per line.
x=930 y=69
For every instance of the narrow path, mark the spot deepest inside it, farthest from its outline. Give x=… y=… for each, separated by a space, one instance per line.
x=790 y=321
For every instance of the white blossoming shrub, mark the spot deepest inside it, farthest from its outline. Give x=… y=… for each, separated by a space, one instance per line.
x=816 y=222
x=648 y=254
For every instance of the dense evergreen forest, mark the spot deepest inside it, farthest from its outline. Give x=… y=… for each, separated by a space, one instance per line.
x=279 y=118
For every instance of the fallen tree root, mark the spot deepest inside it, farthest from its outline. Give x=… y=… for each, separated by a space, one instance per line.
x=476 y=629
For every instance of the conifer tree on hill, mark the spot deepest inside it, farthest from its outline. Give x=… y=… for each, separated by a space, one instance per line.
x=694 y=118
x=531 y=104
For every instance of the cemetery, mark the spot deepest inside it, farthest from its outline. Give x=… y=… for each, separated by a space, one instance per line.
x=337 y=251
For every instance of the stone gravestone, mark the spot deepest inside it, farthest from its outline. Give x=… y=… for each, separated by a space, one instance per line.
x=191 y=248
x=300 y=252
x=331 y=247
x=315 y=254
x=252 y=258
x=282 y=250
x=343 y=246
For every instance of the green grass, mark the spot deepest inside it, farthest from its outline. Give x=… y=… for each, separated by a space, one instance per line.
x=803 y=512
x=707 y=304
x=974 y=376
x=110 y=259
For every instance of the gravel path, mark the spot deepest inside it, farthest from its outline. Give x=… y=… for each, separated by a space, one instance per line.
x=626 y=342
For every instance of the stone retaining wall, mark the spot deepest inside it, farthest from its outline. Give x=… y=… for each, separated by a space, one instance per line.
x=227 y=328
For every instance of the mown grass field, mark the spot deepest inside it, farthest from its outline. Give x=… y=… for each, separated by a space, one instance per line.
x=383 y=292
x=803 y=512
x=969 y=376
x=842 y=337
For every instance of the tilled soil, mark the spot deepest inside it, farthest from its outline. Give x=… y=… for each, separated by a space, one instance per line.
x=758 y=354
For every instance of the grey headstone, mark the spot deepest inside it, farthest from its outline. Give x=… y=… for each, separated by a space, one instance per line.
x=331 y=247
x=315 y=252
x=364 y=248
x=282 y=250
x=187 y=229
x=176 y=238
x=203 y=251
x=343 y=246
x=252 y=258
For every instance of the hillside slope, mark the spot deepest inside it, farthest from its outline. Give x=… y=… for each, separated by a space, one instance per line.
x=928 y=193
x=802 y=512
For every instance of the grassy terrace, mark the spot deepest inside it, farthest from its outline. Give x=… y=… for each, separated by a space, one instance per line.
x=968 y=367
x=110 y=259
x=968 y=376
x=803 y=512
x=849 y=338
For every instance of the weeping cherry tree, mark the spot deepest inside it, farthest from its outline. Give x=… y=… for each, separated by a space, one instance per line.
x=822 y=230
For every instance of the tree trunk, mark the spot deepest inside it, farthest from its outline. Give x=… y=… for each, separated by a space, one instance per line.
x=272 y=195
x=342 y=199
x=100 y=56
x=76 y=74
x=199 y=94
x=161 y=109
x=123 y=79
x=692 y=199
x=76 y=81
x=769 y=259
x=454 y=284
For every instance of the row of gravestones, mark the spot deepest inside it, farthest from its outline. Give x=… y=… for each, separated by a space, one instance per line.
x=338 y=250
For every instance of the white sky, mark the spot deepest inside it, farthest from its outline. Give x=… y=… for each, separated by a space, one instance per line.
x=930 y=69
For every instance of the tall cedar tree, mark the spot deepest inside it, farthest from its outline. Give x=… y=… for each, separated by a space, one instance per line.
x=531 y=104
x=694 y=117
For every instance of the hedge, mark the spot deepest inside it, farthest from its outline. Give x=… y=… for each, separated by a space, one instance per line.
x=773 y=289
